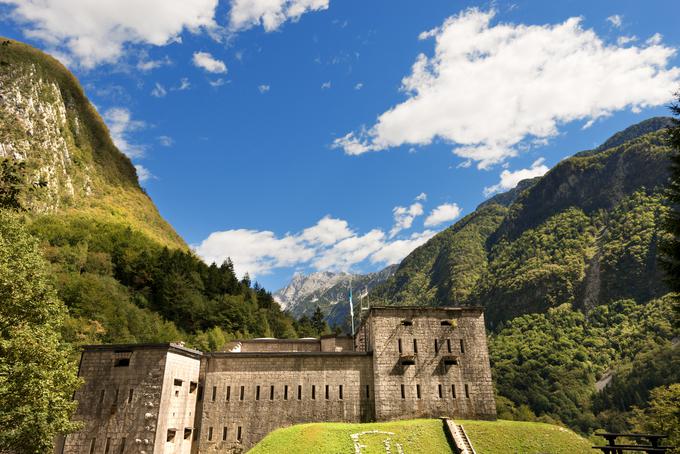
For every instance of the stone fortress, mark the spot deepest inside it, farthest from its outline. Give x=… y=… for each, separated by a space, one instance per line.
x=403 y=362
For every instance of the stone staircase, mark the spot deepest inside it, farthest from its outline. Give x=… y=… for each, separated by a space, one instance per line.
x=459 y=437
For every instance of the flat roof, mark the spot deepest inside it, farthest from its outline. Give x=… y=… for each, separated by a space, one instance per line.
x=171 y=347
x=440 y=308
x=283 y=354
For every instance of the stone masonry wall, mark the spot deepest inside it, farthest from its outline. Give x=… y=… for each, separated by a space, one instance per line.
x=231 y=403
x=431 y=388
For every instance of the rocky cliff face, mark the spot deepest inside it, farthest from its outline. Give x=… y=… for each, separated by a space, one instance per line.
x=47 y=122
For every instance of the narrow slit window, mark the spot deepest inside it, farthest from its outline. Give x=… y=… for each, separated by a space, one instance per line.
x=210 y=430
x=439 y=391
x=418 y=391
x=368 y=391
x=214 y=393
x=462 y=346
x=453 y=391
x=238 y=433
x=313 y=392
x=108 y=445
x=271 y=393
x=448 y=345
x=228 y=398
x=403 y=392
x=243 y=393
x=115 y=399
x=399 y=345
x=257 y=392
x=328 y=392
x=299 y=392
x=407 y=322
x=102 y=395
x=130 y=395
x=224 y=433
x=122 y=445
x=436 y=346
x=340 y=392
x=446 y=323
x=467 y=391
x=415 y=345
x=285 y=392
x=93 y=442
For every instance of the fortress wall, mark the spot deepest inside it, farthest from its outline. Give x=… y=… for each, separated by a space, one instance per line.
x=429 y=373
x=223 y=405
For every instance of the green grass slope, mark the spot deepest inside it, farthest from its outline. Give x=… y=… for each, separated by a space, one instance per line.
x=423 y=436
x=519 y=437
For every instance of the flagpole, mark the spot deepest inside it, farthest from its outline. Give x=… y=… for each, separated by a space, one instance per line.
x=351 y=306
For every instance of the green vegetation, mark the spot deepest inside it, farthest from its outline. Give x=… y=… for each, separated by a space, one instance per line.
x=505 y=437
x=661 y=415
x=37 y=380
x=414 y=436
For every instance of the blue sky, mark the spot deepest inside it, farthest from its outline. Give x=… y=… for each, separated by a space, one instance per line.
x=303 y=135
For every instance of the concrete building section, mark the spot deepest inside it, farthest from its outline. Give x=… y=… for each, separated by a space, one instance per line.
x=403 y=362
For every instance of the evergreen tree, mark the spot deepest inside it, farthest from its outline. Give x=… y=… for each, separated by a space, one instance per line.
x=670 y=248
x=320 y=325
x=37 y=379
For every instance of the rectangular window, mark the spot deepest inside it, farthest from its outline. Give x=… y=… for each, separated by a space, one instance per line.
x=340 y=392
x=122 y=362
x=122 y=445
x=467 y=391
x=299 y=392
x=439 y=390
x=453 y=391
x=228 y=393
x=214 y=393
x=93 y=442
x=209 y=433
x=462 y=346
x=448 y=345
x=436 y=346
x=192 y=386
x=238 y=433
x=243 y=393
x=415 y=346
x=313 y=392
x=171 y=436
x=285 y=392
x=418 y=391
x=187 y=433
x=271 y=393
x=224 y=433
x=257 y=392
x=368 y=392
x=399 y=345
x=178 y=382
x=403 y=392
x=328 y=392
x=107 y=446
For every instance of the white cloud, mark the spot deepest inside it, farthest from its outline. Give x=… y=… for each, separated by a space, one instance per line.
x=623 y=40
x=330 y=244
x=616 y=20
x=217 y=82
x=263 y=88
x=404 y=216
x=271 y=14
x=209 y=63
x=473 y=93
x=326 y=85
x=359 y=86
x=145 y=65
x=446 y=212
x=95 y=32
x=158 y=91
x=421 y=197
x=184 y=84
x=166 y=141
x=120 y=123
x=510 y=179
x=143 y=173
x=655 y=39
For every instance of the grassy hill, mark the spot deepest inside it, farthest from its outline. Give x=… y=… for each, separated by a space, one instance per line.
x=424 y=436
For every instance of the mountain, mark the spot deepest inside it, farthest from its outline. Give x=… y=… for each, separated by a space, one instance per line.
x=329 y=291
x=585 y=233
x=47 y=122
x=123 y=272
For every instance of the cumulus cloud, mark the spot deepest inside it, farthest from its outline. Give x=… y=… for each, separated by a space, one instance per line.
x=94 y=32
x=404 y=216
x=330 y=244
x=446 y=212
x=121 y=125
x=271 y=14
x=209 y=63
x=489 y=87
x=510 y=179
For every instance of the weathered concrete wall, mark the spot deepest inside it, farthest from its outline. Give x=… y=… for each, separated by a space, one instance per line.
x=230 y=374
x=429 y=384
x=121 y=405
